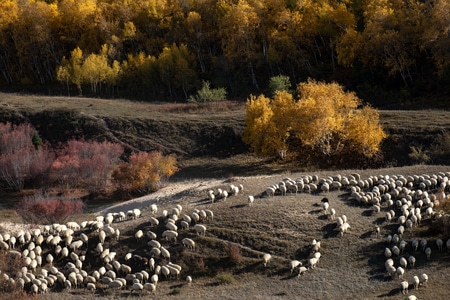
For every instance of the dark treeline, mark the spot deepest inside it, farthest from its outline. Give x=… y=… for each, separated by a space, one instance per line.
x=388 y=51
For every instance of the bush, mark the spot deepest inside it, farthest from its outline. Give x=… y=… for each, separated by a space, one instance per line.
x=419 y=155
x=234 y=252
x=87 y=165
x=280 y=83
x=225 y=278
x=206 y=94
x=41 y=209
x=144 y=172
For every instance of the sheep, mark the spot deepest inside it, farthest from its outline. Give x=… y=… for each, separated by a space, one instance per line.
x=424 y=279
x=154 y=279
x=312 y=262
x=154 y=222
x=200 y=229
x=404 y=287
x=153 y=209
x=165 y=253
x=90 y=286
x=343 y=228
x=403 y=262
x=294 y=264
x=188 y=280
x=138 y=235
x=102 y=236
x=412 y=261
x=301 y=271
x=211 y=196
x=170 y=235
x=171 y=226
x=266 y=259
x=428 y=253
x=76 y=245
x=439 y=244
x=115 y=284
x=400 y=272
x=136 y=287
x=150 y=287
x=251 y=199
x=188 y=243
x=416 y=282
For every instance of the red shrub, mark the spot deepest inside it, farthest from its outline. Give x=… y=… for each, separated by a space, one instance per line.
x=20 y=159
x=85 y=164
x=40 y=209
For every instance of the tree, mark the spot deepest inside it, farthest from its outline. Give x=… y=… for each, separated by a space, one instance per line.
x=268 y=123
x=20 y=160
x=325 y=118
x=144 y=171
x=88 y=165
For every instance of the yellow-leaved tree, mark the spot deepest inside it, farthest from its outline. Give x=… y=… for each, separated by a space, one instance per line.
x=144 y=172
x=325 y=118
x=268 y=123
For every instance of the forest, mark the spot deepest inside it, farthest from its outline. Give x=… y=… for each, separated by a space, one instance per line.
x=392 y=53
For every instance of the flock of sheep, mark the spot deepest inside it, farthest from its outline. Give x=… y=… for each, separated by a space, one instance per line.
x=407 y=201
x=53 y=256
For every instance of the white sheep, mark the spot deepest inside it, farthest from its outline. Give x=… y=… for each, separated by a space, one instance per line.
x=200 y=229
x=424 y=279
x=302 y=270
x=154 y=222
x=266 y=259
x=416 y=282
x=115 y=284
x=188 y=243
x=170 y=235
x=428 y=253
x=251 y=199
x=139 y=235
x=404 y=287
x=165 y=253
x=150 y=287
x=294 y=264
x=189 y=280
x=153 y=209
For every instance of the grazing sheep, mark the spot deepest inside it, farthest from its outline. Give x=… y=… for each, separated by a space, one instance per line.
x=404 y=287
x=189 y=280
x=416 y=282
x=439 y=244
x=312 y=262
x=188 y=243
x=209 y=215
x=302 y=270
x=154 y=222
x=115 y=284
x=424 y=279
x=294 y=264
x=412 y=261
x=266 y=259
x=343 y=228
x=400 y=272
x=376 y=231
x=153 y=209
x=150 y=287
x=428 y=253
x=138 y=235
x=403 y=262
x=251 y=199
x=165 y=253
x=170 y=235
x=200 y=229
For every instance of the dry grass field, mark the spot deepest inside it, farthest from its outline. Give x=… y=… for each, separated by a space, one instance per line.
x=227 y=263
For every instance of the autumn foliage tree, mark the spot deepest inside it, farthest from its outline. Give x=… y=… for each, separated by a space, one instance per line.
x=325 y=118
x=21 y=160
x=83 y=164
x=144 y=172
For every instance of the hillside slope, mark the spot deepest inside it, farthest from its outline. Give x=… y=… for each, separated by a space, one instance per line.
x=200 y=137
